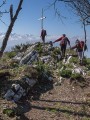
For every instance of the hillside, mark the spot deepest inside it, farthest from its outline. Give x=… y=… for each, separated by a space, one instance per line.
x=59 y=89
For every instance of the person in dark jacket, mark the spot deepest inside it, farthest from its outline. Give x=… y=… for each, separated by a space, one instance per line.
x=43 y=34
x=63 y=43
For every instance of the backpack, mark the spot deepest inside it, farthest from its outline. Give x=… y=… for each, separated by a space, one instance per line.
x=83 y=45
x=63 y=41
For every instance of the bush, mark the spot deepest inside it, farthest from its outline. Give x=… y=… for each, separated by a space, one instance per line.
x=76 y=76
x=31 y=72
x=88 y=66
x=55 y=53
x=11 y=54
x=85 y=62
x=16 y=48
x=9 y=112
x=43 y=71
x=74 y=60
x=66 y=73
x=69 y=65
x=14 y=64
x=39 y=48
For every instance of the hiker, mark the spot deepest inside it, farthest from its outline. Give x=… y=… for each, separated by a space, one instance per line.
x=43 y=34
x=63 y=43
x=79 y=49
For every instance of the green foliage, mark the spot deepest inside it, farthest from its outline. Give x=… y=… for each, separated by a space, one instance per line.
x=60 y=64
x=74 y=60
x=88 y=66
x=21 y=47
x=72 y=52
x=40 y=66
x=11 y=54
x=9 y=112
x=14 y=64
x=88 y=73
x=76 y=76
x=55 y=52
x=31 y=72
x=69 y=65
x=43 y=71
x=17 y=72
x=88 y=60
x=66 y=73
x=39 y=48
x=85 y=61
x=53 y=110
x=16 y=48
x=43 y=68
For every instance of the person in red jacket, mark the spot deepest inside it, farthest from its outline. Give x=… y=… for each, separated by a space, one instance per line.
x=63 y=43
x=79 y=49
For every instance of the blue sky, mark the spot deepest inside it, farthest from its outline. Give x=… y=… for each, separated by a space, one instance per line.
x=28 y=23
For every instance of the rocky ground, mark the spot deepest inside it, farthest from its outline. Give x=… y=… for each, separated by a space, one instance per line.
x=61 y=102
x=66 y=99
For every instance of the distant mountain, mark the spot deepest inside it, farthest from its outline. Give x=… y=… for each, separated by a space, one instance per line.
x=34 y=38
x=15 y=39
x=14 y=36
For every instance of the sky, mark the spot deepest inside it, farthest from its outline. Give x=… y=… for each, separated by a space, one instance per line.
x=28 y=23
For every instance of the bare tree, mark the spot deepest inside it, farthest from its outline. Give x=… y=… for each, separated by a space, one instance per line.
x=81 y=7
x=3 y=12
x=9 y=30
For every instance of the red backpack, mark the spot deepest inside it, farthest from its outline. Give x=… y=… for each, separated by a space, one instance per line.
x=83 y=45
x=63 y=41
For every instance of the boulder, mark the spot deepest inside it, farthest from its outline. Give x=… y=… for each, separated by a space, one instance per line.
x=17 y=91
x=29 y=58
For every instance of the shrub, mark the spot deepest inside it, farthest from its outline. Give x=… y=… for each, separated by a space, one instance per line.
x=14 y=64
x=69 y=65
x=16 y=48
x=11 y=54
x=85 y=61
x=74 y=60
x=9 y=112
x=88 y=60
x=31 y=72
x=55 y=52
x=88 y=66
x=76 y=76
x=43 y=71
x=39 y=48
x=66 y=73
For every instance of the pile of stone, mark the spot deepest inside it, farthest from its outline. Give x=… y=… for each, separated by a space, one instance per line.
x=18 y=90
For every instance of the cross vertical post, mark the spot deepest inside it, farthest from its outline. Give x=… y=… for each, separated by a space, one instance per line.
x=42 y=20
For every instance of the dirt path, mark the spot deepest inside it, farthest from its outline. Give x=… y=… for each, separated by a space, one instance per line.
x=54 y=102
x=63 y=102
